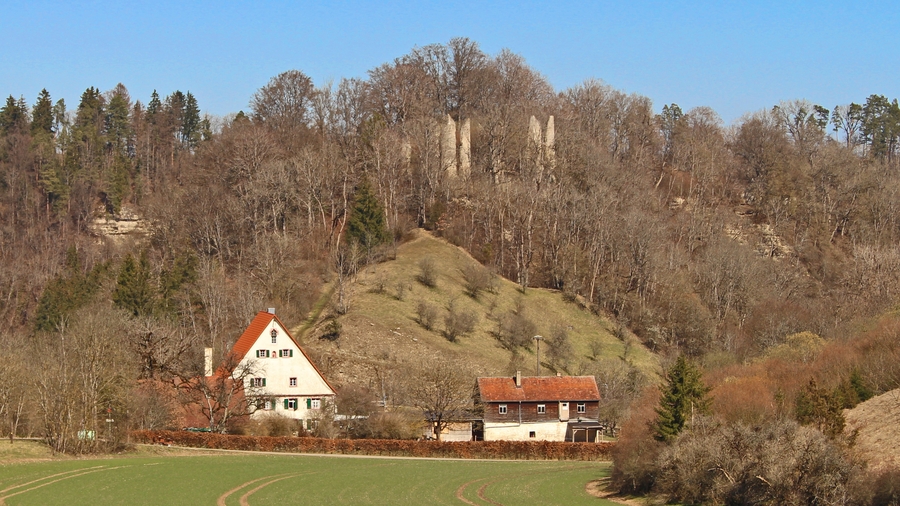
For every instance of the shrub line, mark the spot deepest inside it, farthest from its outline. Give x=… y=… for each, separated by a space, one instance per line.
x=503 y=450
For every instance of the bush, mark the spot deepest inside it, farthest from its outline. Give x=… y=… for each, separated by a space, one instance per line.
x=559 y=348
x=426 y=315
x=332 y=330
x=458 y=323
x=392 y=425
x=273 y=424
x=428 y=272
x=477 y=279
x=634 y=456
x=779 y=462
x=885 y=489
x=516 y=330
x=401 y=290
x=530 y=450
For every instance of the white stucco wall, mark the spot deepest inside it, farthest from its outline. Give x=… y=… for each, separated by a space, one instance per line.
x=279 y=370
x=544 y=431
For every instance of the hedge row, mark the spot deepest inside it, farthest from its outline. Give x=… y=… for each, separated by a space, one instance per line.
x=518 y=450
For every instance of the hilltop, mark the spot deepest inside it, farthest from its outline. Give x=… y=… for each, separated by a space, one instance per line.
x=381 y=328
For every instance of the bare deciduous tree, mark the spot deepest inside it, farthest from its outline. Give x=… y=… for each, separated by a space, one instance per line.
x=229 y=393
x=442 y=389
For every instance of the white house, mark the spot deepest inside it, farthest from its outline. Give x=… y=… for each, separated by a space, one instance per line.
x=283 y=374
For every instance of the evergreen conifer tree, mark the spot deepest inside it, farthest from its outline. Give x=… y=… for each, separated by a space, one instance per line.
x=68 y=292
x=134 y=292
x=684 y=395
x=820 y=408
x=367 y=224
x=42 y=114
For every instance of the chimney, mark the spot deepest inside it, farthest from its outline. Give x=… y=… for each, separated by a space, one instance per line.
x=271 y=310
x=518 y=379
x=207 y=362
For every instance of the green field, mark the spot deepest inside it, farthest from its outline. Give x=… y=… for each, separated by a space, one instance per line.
x=161 y=477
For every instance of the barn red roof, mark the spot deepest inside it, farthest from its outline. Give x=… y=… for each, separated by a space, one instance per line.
x=539 y=388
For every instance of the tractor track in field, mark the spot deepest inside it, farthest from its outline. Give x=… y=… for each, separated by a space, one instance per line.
x=243 y=500
x=71 y=474
x=462 y=489
x=483 y=497
x=482 y=490
x=7 y=489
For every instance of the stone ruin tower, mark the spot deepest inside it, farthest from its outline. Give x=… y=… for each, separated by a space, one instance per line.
x=456 y=148
x=542 y=148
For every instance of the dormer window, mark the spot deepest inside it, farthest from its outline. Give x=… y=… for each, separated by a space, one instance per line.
x=274 y=336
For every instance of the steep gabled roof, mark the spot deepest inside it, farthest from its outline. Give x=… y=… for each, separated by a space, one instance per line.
x=539 y=388
x=255 y=330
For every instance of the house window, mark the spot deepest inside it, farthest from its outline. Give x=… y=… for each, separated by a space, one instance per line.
x=268 y=404
x=580 y=408
x=257 y=382
x=503 y=409
x=542 y=408
x=262 y=353
x=274 y=336
x=292 y=382
x=290 y=404
x=531 y=434
x=285 y=353
x=312 y=424
x=314 y=404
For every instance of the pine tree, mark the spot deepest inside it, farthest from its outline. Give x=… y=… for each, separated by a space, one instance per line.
x=190 y=122
x=820 y=408
x=154 y=105
x=68 y=292
x=118 y=121
x=367 y=225
x=134 y=292
x=172 y=280
x=13 y=115
x=684 y=396
x=42 y=115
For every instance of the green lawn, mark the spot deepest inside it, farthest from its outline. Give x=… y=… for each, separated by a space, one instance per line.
x=194 y=478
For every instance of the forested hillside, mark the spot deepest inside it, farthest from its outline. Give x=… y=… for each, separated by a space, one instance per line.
x=701 y=238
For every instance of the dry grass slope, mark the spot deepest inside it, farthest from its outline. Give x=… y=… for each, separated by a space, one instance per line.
x=878 y=423
x=381 y=328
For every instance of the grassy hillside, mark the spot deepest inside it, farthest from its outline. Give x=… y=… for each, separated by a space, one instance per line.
x=380 y=328
x=878 y=424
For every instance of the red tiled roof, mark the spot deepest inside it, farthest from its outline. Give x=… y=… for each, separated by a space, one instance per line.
x=539 y=388
x=252 y=333
x=255 y=330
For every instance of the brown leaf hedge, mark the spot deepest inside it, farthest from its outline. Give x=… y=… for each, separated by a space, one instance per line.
x=510 y=450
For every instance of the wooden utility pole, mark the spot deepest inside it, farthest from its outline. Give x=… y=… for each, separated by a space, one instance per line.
x=537 y=367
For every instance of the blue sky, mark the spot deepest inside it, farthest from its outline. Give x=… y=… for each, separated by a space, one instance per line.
x=736 y=57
